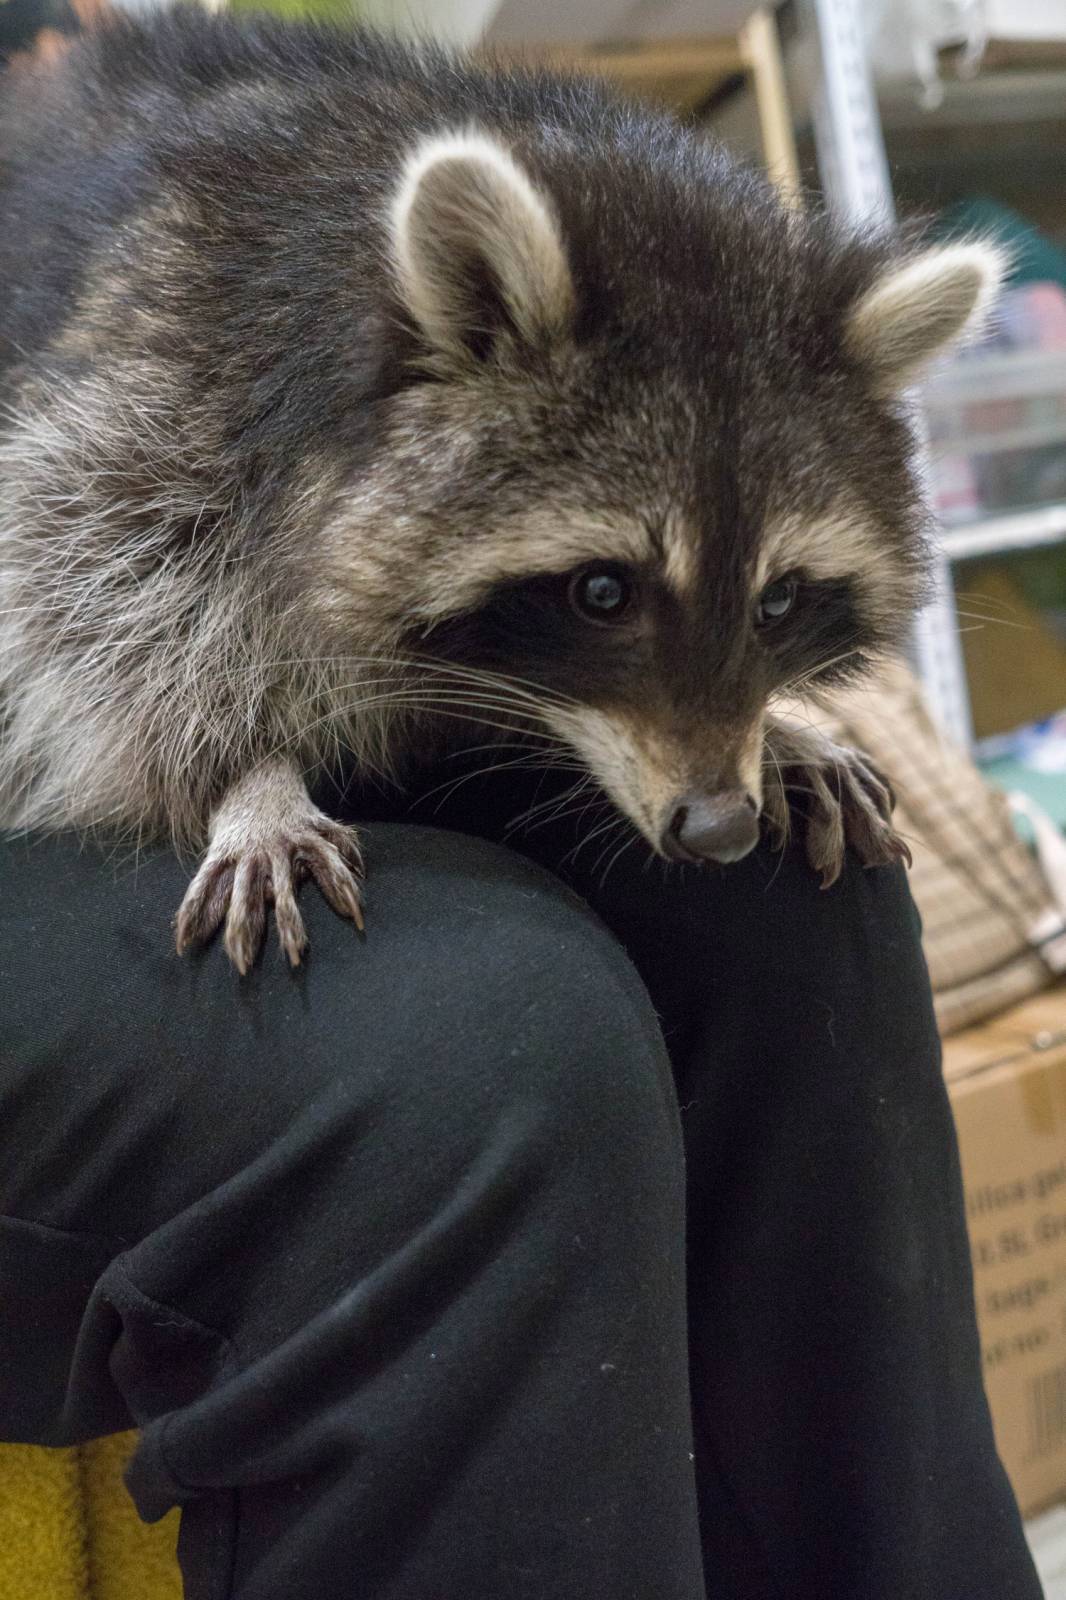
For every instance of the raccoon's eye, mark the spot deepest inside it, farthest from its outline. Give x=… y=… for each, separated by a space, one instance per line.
x=601 y=594
x=775 y=602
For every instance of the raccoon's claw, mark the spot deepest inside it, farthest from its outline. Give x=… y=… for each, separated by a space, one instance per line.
x=236 y=886
x=846 y=802
x=850 y=805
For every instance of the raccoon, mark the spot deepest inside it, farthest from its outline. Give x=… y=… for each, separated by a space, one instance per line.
x=359 y=400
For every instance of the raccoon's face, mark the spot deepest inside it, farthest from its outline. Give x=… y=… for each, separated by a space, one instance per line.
x=659 y=473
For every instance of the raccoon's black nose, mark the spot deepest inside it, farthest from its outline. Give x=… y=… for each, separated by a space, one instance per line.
x=712 y=827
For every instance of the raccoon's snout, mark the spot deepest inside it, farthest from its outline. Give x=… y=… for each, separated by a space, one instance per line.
x=712 y=827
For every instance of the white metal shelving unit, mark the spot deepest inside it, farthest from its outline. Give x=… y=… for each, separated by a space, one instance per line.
x=851 y=158
x=855 y=176
x=1015 y=530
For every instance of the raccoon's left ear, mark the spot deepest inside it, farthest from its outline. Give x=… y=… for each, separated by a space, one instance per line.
x=477 y=249
x=916 y=309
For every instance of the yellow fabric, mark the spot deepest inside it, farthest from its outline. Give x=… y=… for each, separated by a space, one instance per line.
x=68 y=1529
x=128 y=1559
x=43 y=1550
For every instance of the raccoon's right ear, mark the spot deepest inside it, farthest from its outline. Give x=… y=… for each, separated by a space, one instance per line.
x=477 y=249
x=919 y=308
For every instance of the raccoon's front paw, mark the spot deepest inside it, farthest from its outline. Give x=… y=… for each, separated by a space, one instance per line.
x=843 y=799
x=238 y=887
x=258 y=859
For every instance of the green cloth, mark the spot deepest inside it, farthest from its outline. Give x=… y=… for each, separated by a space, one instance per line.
x=1048 y=789
x=320 y=10
x=1036 y=259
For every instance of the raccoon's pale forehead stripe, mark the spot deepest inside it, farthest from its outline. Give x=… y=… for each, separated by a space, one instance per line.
x=458 y=574
x=681 y=555
x=550 y=541
x=839 y=543
x=544 y=542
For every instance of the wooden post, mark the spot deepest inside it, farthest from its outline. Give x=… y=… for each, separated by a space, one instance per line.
x=761 y=49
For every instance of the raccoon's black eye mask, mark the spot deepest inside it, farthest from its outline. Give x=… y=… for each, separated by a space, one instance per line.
x=813 y=627
x=577 y=627
x=606 y=593
x=592 y=629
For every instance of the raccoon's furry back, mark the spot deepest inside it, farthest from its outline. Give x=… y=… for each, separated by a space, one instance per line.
x=191 y=325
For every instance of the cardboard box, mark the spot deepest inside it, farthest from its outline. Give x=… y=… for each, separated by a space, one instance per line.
x=1007 y=1082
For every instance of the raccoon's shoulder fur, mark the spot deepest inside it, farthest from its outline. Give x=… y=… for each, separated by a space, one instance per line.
x=268 y=418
